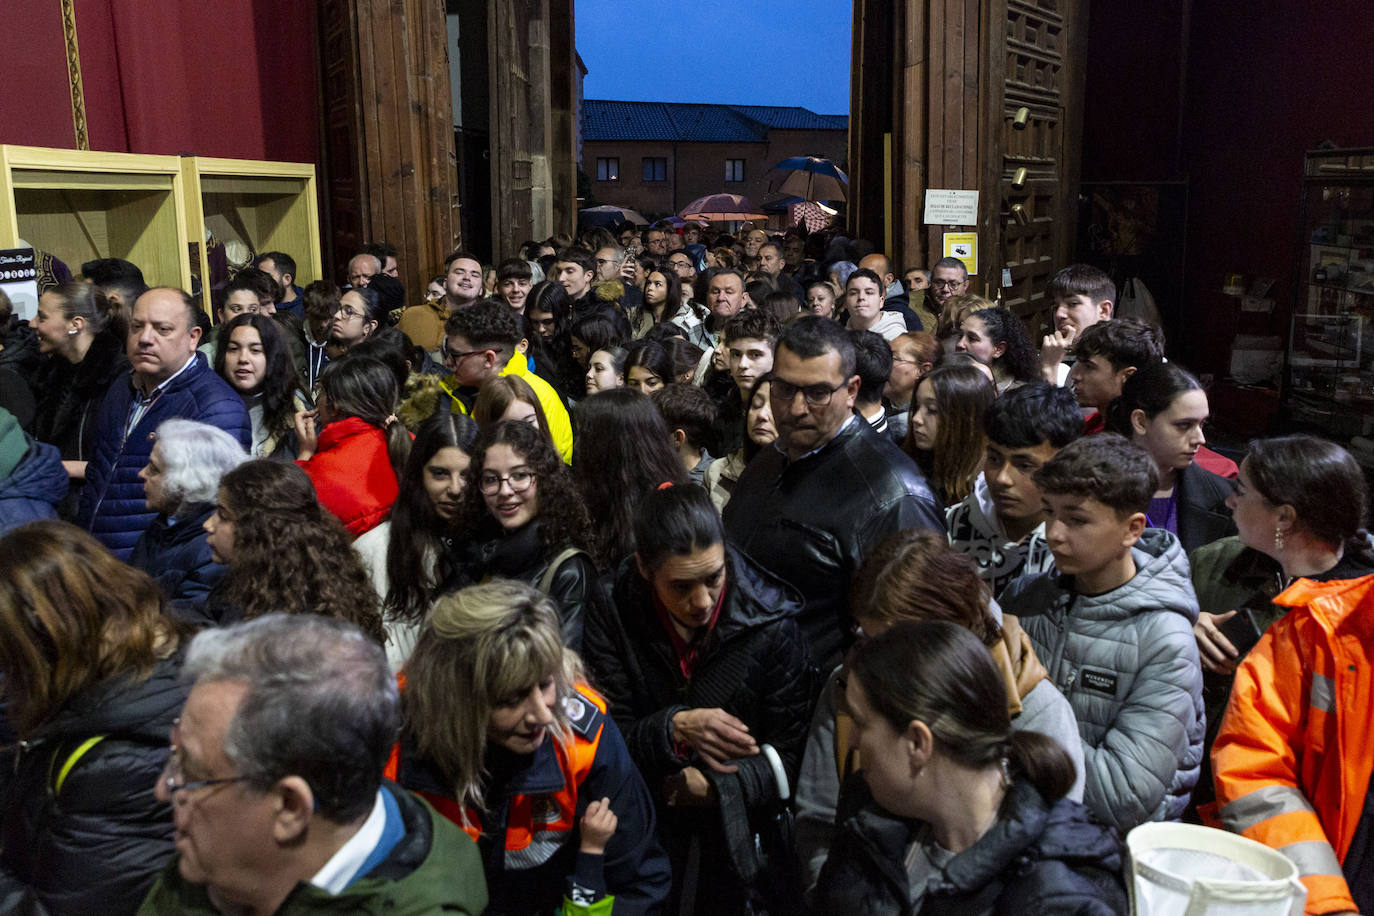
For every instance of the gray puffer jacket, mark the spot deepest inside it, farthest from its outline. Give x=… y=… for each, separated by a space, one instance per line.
x=1127 y=660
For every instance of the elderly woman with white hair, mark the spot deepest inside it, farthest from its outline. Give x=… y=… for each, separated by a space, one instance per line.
x=180 y=481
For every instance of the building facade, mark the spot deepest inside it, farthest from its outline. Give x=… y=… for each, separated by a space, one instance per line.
x=657 y=157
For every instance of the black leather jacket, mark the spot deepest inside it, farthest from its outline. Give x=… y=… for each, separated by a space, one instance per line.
x=812 y=521
x=1202 y=513
x=522 y=556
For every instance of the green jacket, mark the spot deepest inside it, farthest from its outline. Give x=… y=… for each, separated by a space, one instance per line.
x=435 y=868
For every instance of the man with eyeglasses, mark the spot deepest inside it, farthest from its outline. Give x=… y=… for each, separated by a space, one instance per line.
x=481 y=343
x=275 y=783
x=831 y=488
x=948 y=277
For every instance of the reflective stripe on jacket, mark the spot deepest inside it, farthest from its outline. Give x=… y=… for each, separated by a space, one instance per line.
x=1293 y=757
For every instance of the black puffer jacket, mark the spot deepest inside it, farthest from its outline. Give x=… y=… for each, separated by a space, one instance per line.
x=69 y=396
x=97 y=846
x=1038 y=858
x=523 y=557
x=754 y=665
x=812 y=521
x=179 y=558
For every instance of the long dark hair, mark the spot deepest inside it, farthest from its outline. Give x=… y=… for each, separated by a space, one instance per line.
x=620 y=452
x=1151 y=389
x=290 y=555
x=1322 y=482
x=1018 y=359
x=672 y=298
x=417 y=558
x=651 y=355
x=563 y=518
x=962 y=395
x=939 y=673
x=674 y=522
x=365 y=388
x=280 y=383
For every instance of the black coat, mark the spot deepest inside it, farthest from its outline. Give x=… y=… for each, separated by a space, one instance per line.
x=69 y=396
x=1201 y=497
x=754 y=664
x=98 y=845
x=178 y=557
x=1038 y=858
x=20 y=348
x=523 y=557
x=812 y=521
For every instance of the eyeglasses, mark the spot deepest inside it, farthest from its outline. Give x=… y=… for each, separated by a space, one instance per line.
x=172 y=775
x=348 y=312
x=452 y=357
x=903 y=359
x=490 y=484
x=815 y=395
x=947 y=284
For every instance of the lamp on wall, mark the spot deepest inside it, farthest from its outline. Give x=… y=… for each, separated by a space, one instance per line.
x=1018 y=179
x=1021 y=119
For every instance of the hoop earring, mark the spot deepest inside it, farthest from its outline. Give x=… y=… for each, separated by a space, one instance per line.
x=1278 y=537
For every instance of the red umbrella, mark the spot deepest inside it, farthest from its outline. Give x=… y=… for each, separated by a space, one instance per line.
x=721 y=207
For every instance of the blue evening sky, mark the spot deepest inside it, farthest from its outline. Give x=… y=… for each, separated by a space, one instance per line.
x=734 y=52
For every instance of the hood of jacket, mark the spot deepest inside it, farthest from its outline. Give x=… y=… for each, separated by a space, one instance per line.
x=1161 y=582
x=38 y=476
x=141 y=711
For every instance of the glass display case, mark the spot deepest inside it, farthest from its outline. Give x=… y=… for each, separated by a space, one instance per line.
x=1331 y=344
x=242 y=208
x=78 y=206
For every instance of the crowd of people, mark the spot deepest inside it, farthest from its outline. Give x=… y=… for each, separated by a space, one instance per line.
x=653 y=571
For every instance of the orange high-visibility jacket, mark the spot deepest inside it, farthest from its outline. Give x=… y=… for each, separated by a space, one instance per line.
x=1293 y=758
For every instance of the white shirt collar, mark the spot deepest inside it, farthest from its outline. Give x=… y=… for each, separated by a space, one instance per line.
x=343 y=866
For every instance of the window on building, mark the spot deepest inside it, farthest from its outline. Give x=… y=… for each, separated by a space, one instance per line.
x=655 y=168
x=734 y=169
x=608 y=169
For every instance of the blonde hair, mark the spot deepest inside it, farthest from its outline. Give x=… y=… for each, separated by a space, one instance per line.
x=955 y=310
x=480 y=647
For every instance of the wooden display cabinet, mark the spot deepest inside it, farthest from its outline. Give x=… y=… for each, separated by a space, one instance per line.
x=78 y=205
x=266 y=206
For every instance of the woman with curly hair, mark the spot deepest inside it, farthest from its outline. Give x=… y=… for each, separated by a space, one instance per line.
x=621 y=450
x=998 y=339
x=284 y=551
x=354 y=462
x=945 y=429
x=91 y=661
x=251 y=354
x=525 y=520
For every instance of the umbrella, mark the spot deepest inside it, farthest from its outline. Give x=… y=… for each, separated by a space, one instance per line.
x=811 y=178
x=608 y=213
x=816 y=216
x=678 y=222
x=720 y=208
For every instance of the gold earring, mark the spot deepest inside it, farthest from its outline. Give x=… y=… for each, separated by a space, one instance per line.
x=1278 y=537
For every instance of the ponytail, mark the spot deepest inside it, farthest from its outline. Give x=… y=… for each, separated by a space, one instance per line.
x=398 y=441
x=1043 y=761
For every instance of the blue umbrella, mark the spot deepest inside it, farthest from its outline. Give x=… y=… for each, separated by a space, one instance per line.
x=811 y=178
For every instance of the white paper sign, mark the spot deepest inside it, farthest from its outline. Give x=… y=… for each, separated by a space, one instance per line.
x=948 y=207
x=19 y=280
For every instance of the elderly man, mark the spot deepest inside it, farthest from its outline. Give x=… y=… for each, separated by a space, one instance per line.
x=830 y=489
x=362 y=268
x=168 y=379
x=275 y=783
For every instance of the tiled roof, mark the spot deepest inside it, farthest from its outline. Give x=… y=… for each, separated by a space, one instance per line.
x=686 y=122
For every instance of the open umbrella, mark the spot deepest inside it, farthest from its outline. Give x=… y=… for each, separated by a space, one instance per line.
x=608 y=214
x=811 y=178
x=721 y=207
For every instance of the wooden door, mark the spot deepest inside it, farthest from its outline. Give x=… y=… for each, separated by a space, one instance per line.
x=391 y=170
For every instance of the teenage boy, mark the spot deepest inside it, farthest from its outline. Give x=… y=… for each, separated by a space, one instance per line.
x=1001 y=524
x=1107 y=353
x=1082 y=295
x=690 y=414
x=863 y=300
x=1114 y=626
x=513 y=281
x=748 y=340
x=873 y=365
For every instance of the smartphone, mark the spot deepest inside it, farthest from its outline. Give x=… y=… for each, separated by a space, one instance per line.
x=1242 y=630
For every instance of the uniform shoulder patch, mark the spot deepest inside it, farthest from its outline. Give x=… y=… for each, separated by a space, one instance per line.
x=583 y=717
